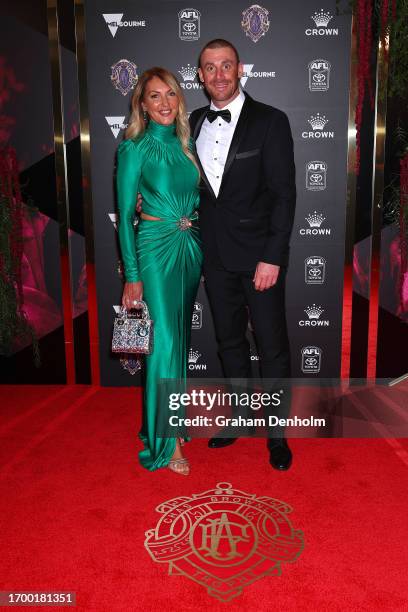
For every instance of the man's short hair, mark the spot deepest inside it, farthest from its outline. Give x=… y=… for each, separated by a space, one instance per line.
x=218 y=43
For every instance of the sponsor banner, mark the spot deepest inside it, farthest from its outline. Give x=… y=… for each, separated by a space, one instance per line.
x=315 y=270
x=317 y=129
x=315 y=221
x=321 y=20
x=114 y=219
x=190 y=78
x=255 y=22
x=308 y=79
x=114 y=21
x=311 y=359
x=251 y=73
x=189 y=24
x=116 y=124
x=124 y=76
x=195 y=361
x=316 y=173
x=197 y=319
x=314 y=317
x=319 y=75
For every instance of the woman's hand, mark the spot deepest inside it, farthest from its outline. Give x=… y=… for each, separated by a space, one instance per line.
x=131 y=293
x=139 y=203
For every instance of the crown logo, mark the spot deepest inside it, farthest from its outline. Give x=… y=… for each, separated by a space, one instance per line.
x=189 y=73
x=193 y=356
x=318 y=121
x=315 y=219
x=321 y=18
x=314 y=312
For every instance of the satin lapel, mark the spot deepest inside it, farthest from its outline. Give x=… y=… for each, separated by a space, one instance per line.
x=199 y=123
x=236 y=139
x=196 y=133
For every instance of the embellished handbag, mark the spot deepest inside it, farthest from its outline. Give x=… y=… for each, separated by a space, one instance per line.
x=133 y=333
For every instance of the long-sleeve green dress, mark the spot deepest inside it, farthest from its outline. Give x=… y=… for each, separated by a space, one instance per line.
x=166 y=256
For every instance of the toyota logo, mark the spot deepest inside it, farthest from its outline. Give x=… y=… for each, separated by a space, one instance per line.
x=189 y=27
x=311 y=361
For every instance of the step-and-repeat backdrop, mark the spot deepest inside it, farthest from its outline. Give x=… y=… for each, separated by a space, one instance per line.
x=296 y=57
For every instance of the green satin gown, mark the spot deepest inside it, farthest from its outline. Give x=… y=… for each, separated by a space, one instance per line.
x=165 y=256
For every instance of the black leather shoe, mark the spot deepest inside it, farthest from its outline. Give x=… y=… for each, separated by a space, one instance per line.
x=280 y=455
x=220 y=442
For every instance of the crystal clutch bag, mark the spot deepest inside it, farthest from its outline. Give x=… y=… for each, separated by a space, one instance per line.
x=133 y=333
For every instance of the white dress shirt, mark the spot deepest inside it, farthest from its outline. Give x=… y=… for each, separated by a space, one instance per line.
x=215 y=139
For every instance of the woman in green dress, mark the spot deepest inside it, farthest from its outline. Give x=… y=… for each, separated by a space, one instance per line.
x=162 y=259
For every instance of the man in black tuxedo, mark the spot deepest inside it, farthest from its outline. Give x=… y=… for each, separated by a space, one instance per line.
x=247 y=204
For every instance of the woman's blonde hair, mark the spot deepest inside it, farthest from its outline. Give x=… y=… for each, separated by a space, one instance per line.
x=137 y=122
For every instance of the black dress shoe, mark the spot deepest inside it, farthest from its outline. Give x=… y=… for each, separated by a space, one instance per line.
x=280 y=455
x=220 y=442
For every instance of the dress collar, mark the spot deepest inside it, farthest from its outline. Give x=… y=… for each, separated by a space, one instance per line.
x=164 y=133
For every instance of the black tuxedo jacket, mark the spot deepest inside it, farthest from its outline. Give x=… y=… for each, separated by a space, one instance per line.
x=251 y=219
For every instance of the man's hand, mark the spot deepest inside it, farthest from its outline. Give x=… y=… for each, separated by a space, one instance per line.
x=266 y=276
x=139 y=203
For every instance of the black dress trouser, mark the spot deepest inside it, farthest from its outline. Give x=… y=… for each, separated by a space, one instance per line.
x=233 y=299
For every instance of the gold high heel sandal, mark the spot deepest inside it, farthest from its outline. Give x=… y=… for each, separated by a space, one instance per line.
x=180 y=466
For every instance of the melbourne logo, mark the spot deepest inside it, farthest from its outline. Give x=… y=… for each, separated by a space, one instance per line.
x=193 y=359
x=189 y=74
x=114 y=218
x=315 y=270
x=319 y=75
x=255 y=22
x=317 y=122
x=189 y=24
x=114 y=21
x=316 y=175
x=313 y=317
x=251 y=74
x=315 y=220
x=224 y=539
x=116 y=124
x=197 y=319
x=311 y=359
x=124 y=76
x=321 y=19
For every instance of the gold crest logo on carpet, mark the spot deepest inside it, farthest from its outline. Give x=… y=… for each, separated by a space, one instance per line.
x=224 y=539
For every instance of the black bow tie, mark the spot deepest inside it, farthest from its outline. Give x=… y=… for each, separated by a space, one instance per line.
x=224 y=114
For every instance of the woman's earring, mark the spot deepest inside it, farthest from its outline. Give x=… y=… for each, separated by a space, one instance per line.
x=145 y=116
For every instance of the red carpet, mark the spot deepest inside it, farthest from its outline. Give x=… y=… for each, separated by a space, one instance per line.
x=76 y=505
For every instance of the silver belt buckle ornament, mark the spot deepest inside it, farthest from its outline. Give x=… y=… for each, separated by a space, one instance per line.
x=184 y=223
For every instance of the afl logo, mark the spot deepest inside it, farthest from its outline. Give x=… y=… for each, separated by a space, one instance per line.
x=311 y=359
x=189 y=24
x=316 y=172
x=319 y=75
x=315 y=270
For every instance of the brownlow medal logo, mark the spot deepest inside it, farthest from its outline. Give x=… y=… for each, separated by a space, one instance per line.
x=224 y=539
